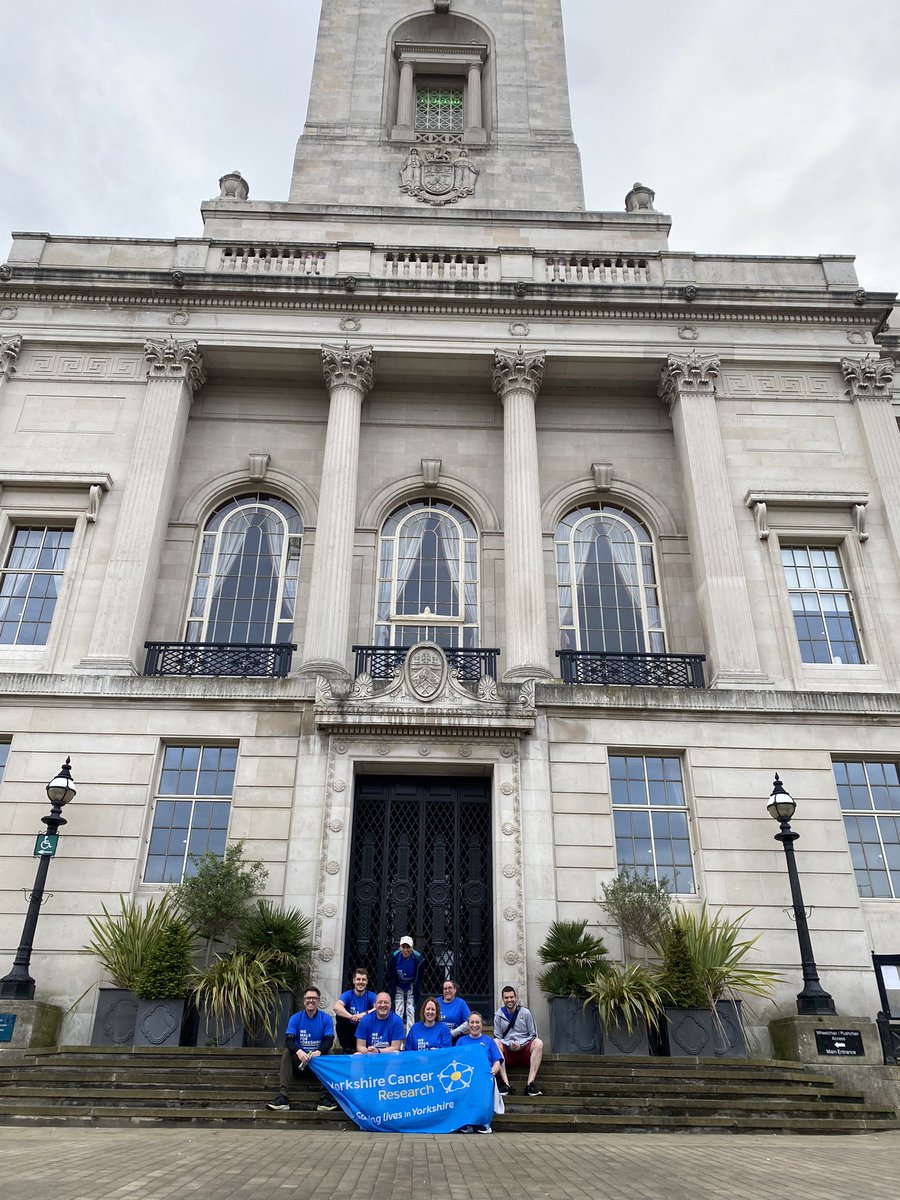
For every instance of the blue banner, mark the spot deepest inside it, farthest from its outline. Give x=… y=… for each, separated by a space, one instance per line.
x=435 y=1091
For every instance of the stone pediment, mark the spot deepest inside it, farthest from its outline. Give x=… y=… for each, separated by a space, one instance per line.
x=425 y=696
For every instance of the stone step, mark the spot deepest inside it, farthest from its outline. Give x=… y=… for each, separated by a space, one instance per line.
x=138 y=1099
x=99 y=1115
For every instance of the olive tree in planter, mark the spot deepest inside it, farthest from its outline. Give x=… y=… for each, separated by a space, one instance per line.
x=703 y=977
x=628 y=1004
x=162 y=986
x=571 y=958
x=122 y=942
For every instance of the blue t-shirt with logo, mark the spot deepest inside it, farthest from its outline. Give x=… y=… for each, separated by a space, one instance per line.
x=454 y=1012
x=420 y=1037
x=308 y=1032
x=406 y=970
x=375 y=1032
x=490 y=1046
x=358 y=1004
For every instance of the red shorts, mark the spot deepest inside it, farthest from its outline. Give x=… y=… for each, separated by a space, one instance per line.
x=518 y=1058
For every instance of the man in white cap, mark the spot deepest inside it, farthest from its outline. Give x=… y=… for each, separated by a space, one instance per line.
x=403 y=980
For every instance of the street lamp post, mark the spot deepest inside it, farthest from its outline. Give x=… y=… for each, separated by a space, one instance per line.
x=18 y=984
x=813 y=998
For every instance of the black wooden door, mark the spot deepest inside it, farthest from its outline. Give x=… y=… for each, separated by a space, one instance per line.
x=421 y=864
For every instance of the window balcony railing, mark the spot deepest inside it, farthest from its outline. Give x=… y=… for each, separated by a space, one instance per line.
x=632 y=670
x=382 y=661
x=270 y=660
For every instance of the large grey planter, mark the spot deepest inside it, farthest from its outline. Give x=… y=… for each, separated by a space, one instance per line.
x=286 y=1009
x=694 y=1033
x=225 y=1034
x=159 y=1022
x=618 y=1041
x=115 y=1018
x=574 y=1029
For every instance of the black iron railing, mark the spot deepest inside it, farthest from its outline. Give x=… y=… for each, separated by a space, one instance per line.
x=632 y=670
x=382 y=661
x=262 y=659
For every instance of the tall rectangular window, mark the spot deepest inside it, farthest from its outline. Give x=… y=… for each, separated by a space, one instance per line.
x=869 y=793
x=192 y=810
x=651 y=820
x=30 y=582
x=4 y=755
x=820 y=602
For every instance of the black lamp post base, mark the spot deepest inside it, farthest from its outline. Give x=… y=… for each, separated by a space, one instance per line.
x=16 y=989
x=815 y=1004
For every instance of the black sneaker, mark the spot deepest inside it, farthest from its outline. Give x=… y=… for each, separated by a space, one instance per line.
x=482 y=1129
x=532 y=1089
x=280 y=1104
x=328 y=1106
x=504 y=1089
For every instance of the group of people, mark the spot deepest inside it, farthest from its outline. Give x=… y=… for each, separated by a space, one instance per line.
x=397 y=1019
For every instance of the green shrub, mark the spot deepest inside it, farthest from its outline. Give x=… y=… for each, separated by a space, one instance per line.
x=213 y=899
x=639 y=905
x=680 y=980
x=166 y=972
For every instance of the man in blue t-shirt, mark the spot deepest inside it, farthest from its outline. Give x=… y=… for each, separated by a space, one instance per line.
x=454 y=1010
x=351 y=1007
x=477 y=1036
x=403 y=980
x=380 y=1031
x=309 y=1034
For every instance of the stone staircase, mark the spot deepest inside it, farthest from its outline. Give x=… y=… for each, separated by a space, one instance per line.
x=96 y=1085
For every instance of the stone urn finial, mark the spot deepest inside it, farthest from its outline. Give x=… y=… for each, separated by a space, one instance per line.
x=233 y=186
x=640 y=199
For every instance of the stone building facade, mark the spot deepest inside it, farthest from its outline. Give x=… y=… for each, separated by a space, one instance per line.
x=432 y=409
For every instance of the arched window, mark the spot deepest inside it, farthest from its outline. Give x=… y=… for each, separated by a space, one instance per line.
x=246 y=585
x=608 y=593
x=427 y=577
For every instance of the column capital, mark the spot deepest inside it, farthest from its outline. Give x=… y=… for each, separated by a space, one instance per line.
x=9 y=352
x=351 y=365
x=523 y=369
x=693 y=373
x=171 y=359
x=869 y=377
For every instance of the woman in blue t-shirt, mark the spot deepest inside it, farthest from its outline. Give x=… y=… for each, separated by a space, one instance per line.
x=429 y=1032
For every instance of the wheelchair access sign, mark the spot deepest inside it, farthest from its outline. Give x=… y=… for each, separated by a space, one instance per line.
x=45 y=845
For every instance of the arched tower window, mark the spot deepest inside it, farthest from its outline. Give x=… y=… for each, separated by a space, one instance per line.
x=427 y=577
x=607 y=586
x=246 y=585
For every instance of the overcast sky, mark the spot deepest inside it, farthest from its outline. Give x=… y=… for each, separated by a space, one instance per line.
x=765 y=126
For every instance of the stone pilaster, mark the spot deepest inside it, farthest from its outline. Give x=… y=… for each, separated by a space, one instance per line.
x=688 y=386
x=9 y=352
x=870 y=384
x=517 y=381
x=175 y=373
x=349 y=374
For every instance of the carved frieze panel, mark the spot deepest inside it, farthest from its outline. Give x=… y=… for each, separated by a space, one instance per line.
x=791 y=384
x=124 y=366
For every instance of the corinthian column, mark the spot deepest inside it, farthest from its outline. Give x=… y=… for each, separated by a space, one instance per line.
x=870 y=384
x=349 y=373
x=688 y=386
x=517 y=381
x=176 y=371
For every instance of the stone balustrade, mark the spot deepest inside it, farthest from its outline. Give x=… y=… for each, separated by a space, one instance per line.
x=434 y=264
x=598 y=269
x=273 y=260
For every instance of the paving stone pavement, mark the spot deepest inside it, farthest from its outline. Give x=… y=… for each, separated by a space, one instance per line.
x=168 y=1164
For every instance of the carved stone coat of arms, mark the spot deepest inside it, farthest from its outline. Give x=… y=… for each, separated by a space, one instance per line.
x=436 y=177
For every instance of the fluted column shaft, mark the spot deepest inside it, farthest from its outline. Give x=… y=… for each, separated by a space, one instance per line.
x=870 y=384
x=405 y=98
x=517 y=380
x=473 y=97
x=349 y=375
x=176 y=372
x=688 y=385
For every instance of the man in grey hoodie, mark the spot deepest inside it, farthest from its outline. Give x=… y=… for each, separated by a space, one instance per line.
x=516 y=1036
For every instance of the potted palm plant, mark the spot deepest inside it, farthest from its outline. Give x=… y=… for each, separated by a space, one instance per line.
x=571 y=957
x=122 y=943
x=628 y=1004
x=703 y=977
x=285 y=936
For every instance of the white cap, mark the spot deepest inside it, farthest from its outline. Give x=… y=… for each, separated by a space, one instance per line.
x=406 y=940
